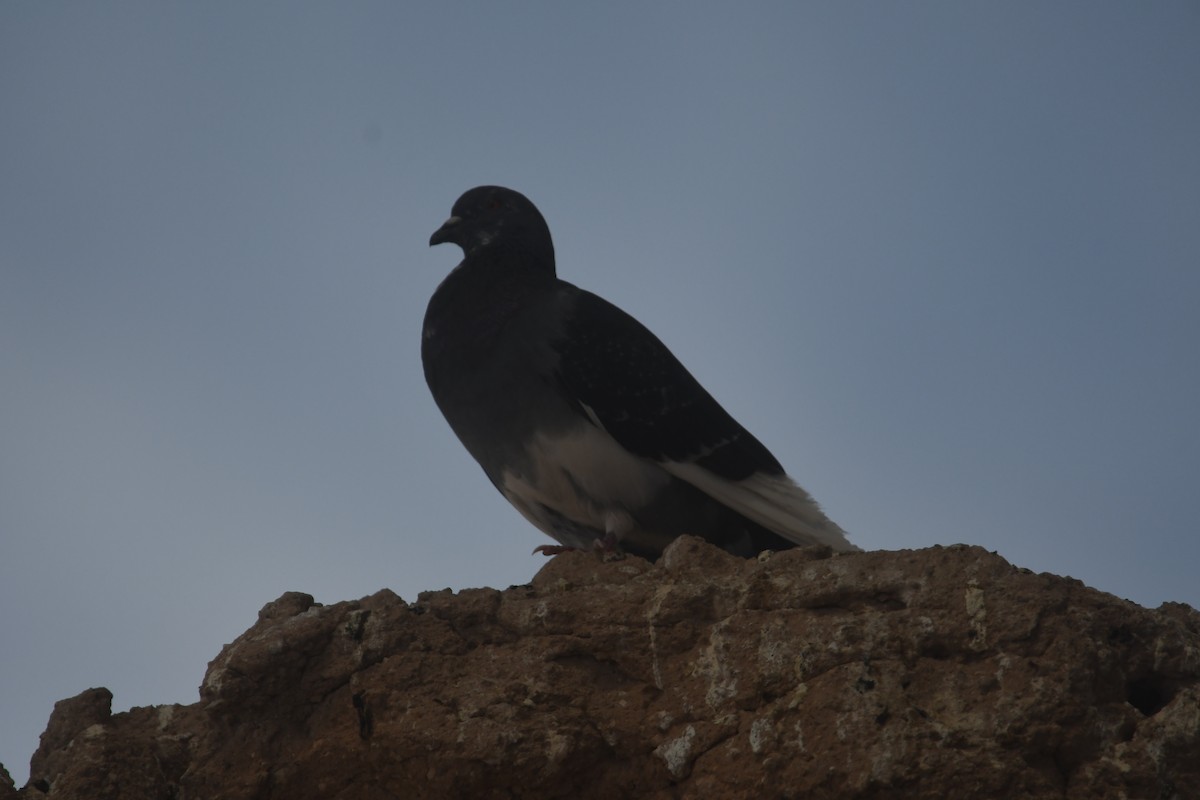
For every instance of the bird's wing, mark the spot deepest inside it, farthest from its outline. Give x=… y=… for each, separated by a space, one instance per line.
x=626 y=381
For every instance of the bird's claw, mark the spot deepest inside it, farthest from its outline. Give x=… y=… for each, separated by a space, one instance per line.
x=551 y=549
x=606 y=548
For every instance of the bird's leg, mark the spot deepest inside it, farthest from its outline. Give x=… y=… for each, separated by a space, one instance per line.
x=605 y=544
x=609 y=547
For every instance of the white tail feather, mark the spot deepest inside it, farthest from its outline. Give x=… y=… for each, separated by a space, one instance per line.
x=775 y=502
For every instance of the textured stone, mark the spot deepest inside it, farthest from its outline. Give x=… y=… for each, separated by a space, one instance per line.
x=935 y=673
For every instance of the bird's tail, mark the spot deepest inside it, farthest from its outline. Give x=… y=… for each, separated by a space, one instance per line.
x=776 y=502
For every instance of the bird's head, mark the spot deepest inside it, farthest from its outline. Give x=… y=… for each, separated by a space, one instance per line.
x=492 y=216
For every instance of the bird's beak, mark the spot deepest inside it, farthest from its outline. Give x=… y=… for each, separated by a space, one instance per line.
x=446 y=233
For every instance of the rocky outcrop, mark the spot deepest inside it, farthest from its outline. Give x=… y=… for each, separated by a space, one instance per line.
x=935 y=673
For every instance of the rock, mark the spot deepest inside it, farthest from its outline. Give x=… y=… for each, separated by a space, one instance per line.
x=8 y=790
x=89 y=752
x=934 y=673
x=72 y=723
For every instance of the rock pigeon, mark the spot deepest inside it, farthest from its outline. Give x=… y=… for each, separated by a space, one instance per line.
x=580 y=416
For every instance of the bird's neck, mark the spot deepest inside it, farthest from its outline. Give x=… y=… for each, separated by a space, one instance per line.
x=515 y=255
x=489 y=286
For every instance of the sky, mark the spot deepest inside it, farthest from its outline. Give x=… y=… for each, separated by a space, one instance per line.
x=942 y=258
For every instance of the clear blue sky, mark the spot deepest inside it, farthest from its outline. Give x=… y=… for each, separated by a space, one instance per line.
x=942 y=258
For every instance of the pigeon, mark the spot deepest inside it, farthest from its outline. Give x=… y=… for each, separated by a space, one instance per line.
x=582 y=418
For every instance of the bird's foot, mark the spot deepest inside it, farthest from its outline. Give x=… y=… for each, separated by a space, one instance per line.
x=551 y=549
x=607 y=548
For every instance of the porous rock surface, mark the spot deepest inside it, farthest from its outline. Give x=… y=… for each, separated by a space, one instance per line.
x=935 y=673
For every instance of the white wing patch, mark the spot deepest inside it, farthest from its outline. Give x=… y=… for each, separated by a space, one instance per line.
x=591 y=414
x=775 y=502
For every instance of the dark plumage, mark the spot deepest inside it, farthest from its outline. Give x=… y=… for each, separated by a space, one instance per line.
x=580 y=416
